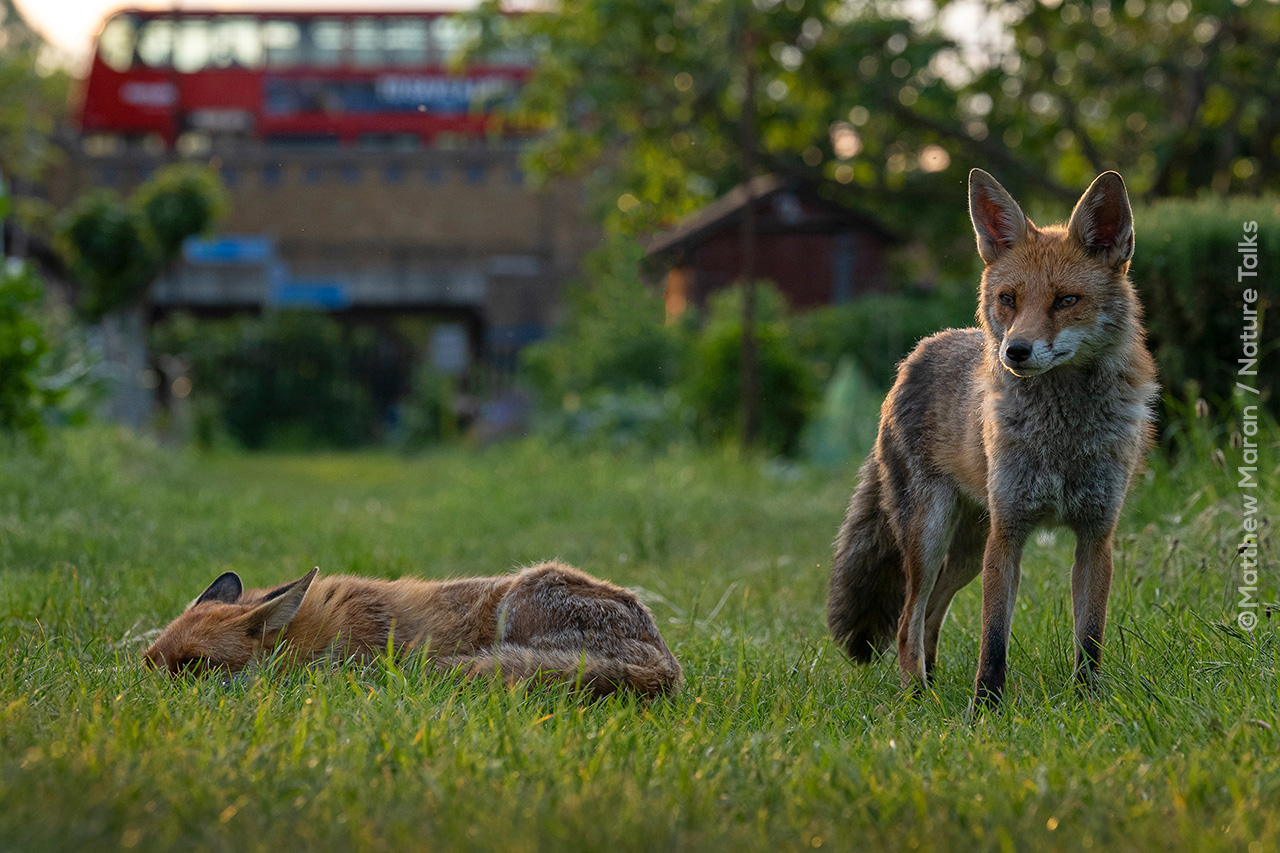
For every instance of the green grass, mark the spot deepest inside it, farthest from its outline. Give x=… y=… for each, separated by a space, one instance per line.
x=775 y=742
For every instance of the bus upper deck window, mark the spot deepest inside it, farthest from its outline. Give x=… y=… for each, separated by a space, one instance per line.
x=116 y=43
x=235 y=43
x=191 y=46
x=323 y=42
x=405 y=41
x=511 y=54
x=450 y=35
x=366 y=42
x=283 y=43
x=155 y=42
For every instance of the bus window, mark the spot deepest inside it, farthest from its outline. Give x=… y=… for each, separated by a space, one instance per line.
x=191 y=45
x=235 y=43
x=155 y=41
x=115 y=44
x=323 y=42
x=366 y=42
x=510 y=54
x=283 y=43
x=406 y=41
x=451 y=34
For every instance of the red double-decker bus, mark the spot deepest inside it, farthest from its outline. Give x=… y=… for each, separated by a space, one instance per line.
x=313 y=76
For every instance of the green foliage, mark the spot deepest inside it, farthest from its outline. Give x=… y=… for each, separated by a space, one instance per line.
x=880 y=330
x=111 y=251
x=846 y=423
x=774 y=743
x=613 y=337
x=426 y=415
x=289 y=379
x=886 y=113
x=1180 y=97
x=178 y=202
x=713 y=382
x=34 y=105
x=1185 y=268
x=25 y=395
x=646 y=98
x=116 y=249
x=638 y=417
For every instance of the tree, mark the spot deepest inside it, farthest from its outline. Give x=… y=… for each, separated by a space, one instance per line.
x=32 y=108
x=116 y=249
x=659 y=99
x=1179 y=96
x=887 y=113
x=35 y=98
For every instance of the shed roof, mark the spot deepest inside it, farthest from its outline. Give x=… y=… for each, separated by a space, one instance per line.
x=726 y=212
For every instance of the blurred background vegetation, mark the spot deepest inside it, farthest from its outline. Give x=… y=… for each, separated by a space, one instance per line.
x=882 y=108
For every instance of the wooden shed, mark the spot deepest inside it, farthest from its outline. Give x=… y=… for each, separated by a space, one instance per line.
x=817 y=252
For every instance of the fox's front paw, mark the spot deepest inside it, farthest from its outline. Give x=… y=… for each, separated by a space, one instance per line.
x=987 y=695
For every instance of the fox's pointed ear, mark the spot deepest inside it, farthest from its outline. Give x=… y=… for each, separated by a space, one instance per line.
x=1102 y=220
x=280 y=606
x=997 y=219
x=226 y=588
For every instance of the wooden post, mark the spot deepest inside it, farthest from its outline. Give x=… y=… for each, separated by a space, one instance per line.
x=750 y=376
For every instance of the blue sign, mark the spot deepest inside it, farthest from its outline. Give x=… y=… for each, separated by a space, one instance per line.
x=326 y=295
x=228 y=250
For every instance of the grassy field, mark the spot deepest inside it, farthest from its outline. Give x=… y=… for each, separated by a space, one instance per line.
x=775 y=742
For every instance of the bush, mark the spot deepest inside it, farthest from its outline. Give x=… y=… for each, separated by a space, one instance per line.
x=846 y=424
x=638 y=417
x=25 y=395
x=291 y=379
x=111 y=251
x=426 y=415
x=788 y=390
x=180 y=201
x=1185 y=271
x=613 y=338
x=116 y=249
x=878 y=331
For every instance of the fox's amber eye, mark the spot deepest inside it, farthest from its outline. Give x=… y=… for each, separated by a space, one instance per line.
x=1066 y=301
x=1006 y=299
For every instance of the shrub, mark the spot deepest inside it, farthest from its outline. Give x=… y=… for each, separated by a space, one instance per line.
x=111 y=251
x=878 y=331
x=426 y=415
x=1185 y=271
x=116 y=249
x=613 y=337
x=638 y=417
x=180 y=201
x=788 y=390
x=290 y=379
x=24 y=344
x=845 y=425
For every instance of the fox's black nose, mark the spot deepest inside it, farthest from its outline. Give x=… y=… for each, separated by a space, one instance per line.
x=1018 y=351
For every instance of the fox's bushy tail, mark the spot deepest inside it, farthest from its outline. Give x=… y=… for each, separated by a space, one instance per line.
x=868 y=585
x=649 y=671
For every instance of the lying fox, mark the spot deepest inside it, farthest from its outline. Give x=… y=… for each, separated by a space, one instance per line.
x=550 y=621
x=1040 y=416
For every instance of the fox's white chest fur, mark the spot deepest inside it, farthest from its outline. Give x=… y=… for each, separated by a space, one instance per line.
x=1057 y=443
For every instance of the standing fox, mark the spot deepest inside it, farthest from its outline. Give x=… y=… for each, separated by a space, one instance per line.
x=550 y=621
x=1040 y=416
